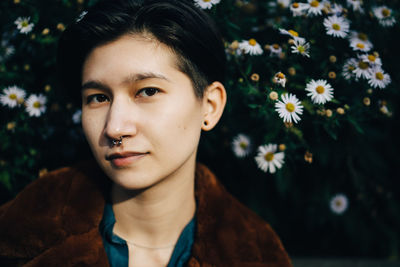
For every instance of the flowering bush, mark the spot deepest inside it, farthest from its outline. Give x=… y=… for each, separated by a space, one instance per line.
x=311 y=88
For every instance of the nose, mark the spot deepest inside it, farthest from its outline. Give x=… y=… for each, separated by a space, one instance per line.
x=120 y=121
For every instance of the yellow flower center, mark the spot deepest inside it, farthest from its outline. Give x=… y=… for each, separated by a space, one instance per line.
x=386 y=12
x=206 y=1
x=275 y=46
x=371 y=58
x=338 y=203
x=290 y=107
x=269 y=156
x=360 y=45
x=336 y=27
x=320 y=89
x=351 y=68
x=243 y=145
x=11 y=126
x=379 y=76
x=301 y=49
x=37 y=104
x=24 y=24
x=255 y=77
x=280 y=75
x=294 y=33
x=362 y=36
x=363 y=65
x=252 y=42
x=314 y=3
x=12 y=96
x=295 y=5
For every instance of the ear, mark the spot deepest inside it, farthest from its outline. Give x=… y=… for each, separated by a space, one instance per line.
x=214 y=101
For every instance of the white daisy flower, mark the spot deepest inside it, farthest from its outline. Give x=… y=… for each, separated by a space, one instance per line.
x=349 y=67
x=81 y=16
x=356 y=5
x=12 y=96
x=275 y=50
x=384 y=110
x=339 y=204
x=378 y=78
x=250 y=47
x=362 y=70
x=314 y=7
x=359 y=36
x=289 y=108
x=336 y=9
x=290 y=33
x=9 y=51
x=35 y=105
x=320 y=91
x=373 y=60
x=206 y=4
x=280 y=78
x=23 y=25
x=384 y=16
x=298 y=9
x=241 y=145
x=301 y=47
x=359 y=41
x=269 y=159
x=283 y=3
x=358 y=45
x=336 y=26
x=233 y=49
x=77 y=116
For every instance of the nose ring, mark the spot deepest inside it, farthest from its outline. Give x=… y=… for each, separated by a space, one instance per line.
x=116 y=142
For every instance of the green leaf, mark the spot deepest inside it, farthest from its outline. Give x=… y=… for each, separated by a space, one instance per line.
x=233 y=25
x=308 y=106
x=335 y=101
x=356 y=125
x=330 y=132
x=5 y=180
x=248 y=69
x=297 y=132
x=253 y=106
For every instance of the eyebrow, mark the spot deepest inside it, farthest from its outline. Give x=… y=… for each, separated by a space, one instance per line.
x=94 y=84
x=143 y=76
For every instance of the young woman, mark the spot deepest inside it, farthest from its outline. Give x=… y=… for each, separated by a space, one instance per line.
x=150 y=75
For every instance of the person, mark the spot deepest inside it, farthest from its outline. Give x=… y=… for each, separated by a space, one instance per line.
x=150 y=75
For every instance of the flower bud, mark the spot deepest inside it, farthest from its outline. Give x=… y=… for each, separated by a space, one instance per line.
x=340 y=111
x=273 y=95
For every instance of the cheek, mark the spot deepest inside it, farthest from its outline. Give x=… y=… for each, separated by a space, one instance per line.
x=91 y=128
x=179 y=127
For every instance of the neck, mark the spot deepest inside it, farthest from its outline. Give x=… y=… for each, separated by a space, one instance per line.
x=155 y=217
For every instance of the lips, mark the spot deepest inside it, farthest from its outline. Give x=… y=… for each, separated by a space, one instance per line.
x=124 y=158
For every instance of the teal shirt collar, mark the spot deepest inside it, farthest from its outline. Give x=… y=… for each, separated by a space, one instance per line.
x=117 y=249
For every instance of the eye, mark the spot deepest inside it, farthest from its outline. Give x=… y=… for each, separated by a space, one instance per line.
x=147 y=92
x=97 y=98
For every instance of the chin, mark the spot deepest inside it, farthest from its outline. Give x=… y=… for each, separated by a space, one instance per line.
x=131 y=181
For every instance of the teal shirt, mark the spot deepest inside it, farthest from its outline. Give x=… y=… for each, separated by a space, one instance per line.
x=117 y=249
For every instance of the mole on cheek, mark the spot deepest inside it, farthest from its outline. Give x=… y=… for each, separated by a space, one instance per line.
x=183 y=127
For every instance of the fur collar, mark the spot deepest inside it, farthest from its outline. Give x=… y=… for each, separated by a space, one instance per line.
x=55 y=222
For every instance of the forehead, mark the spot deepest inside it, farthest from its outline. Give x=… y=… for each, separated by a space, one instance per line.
x=134 y=53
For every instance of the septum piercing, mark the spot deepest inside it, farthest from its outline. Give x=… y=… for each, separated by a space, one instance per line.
x=117 y=142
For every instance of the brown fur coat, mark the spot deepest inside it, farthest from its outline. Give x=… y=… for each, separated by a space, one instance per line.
x=55 y=222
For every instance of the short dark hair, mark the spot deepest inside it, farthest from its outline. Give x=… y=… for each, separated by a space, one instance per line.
x=188 y=31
